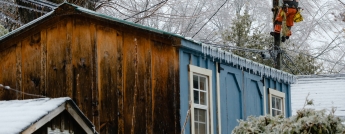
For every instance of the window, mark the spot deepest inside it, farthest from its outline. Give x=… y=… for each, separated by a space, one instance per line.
x=57 y=131
x=277 y=101
x=200 y=87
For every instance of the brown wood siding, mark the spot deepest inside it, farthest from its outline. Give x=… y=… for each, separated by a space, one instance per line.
x=125 y=80
x=8 y=76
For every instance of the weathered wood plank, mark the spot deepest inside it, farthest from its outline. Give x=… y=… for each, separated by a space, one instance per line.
x=81 y=50
x=148 y=87
x=163 y=89
x=68 y=59
x=43 y=69
x=107 y=75
x=56 y=59
x=143 y=56
x=19 y=69
x=31 y=65
x=177 y=90
x=8 y=73
x=94 y=76
x=129 y=78
x=119 y=82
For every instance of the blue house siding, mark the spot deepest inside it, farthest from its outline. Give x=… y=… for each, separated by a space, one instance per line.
x=188 y=57
x=231 y=97
x=242 y=93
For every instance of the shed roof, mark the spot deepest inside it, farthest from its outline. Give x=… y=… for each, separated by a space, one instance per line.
x=206 y=49
x=18 y=115
x=64 y=7
x=327 y=91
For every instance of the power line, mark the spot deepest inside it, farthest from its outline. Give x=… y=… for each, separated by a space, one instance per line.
x=293 y=63
x=236 y=48
x=314 y=57
x=11 y=89
x=210 y=18
x=288 y=66
x=146 y=9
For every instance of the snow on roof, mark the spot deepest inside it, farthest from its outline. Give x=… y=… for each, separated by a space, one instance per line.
x=327 y=91
x=17 y=115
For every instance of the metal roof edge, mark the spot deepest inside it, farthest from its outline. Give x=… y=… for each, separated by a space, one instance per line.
x=340 y=75
x=13 y=32
x=89 y=12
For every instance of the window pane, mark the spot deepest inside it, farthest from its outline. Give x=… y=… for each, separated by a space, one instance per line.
x=278 y=113
x=203 y=98
x=202 y=115
x=273 y=102
x=195 y=82
x=196 y=114
x=196 y=128
x=274 y=112
x=196 y=97
x=278 y=104
x=202 y=83
x=202 y=128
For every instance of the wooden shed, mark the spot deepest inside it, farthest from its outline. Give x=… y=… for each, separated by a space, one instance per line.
x=123 y=76
x=129 y=78
x=43 y=116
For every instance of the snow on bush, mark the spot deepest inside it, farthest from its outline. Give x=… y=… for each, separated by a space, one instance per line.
x=306 y=121
x=3 y=30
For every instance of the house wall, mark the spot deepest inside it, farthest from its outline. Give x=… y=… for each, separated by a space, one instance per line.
x=241 y=92
x=125 y=80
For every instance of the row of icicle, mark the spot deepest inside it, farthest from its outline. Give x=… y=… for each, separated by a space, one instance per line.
x=246 y=64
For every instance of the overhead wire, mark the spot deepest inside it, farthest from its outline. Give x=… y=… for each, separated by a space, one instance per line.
x=146 y=9
x=210 y=18
x=11 y=89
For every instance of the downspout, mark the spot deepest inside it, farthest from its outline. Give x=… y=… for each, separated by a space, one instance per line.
x=218 y=99
x=264 y=88
x=243 y=97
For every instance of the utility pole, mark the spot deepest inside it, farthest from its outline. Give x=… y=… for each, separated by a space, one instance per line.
x=275 y=10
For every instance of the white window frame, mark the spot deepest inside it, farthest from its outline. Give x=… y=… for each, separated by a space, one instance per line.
x=277 y=94
x=209 y=111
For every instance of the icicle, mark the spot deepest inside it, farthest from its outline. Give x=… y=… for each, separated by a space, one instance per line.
x=273 y=73
x=235 y=59
x=208 y=51
x=286 y=78
x=229 y=57
x=248 y=65
x=261 y=69
x=218 y=53
x=202 y=48
x=279 y=74
x=254 y=67
x=240 y=62
x=267 y=71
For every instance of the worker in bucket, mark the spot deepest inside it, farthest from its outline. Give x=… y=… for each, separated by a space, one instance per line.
x=288 y=13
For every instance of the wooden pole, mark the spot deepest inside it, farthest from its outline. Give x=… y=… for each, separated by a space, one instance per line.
x=275 y=10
